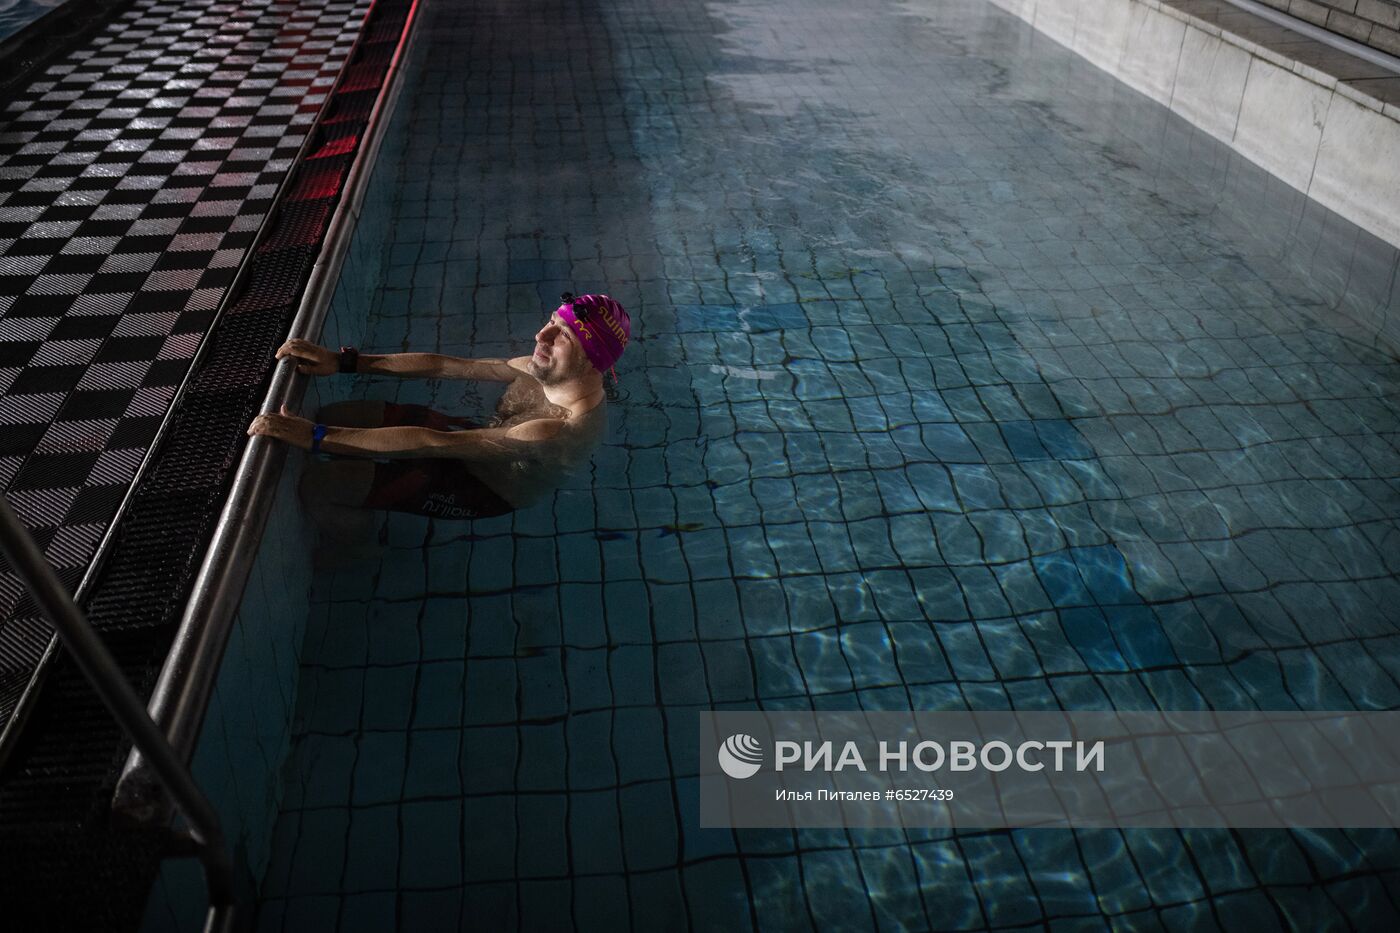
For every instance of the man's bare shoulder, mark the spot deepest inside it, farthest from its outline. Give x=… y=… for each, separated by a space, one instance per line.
x=537 y=429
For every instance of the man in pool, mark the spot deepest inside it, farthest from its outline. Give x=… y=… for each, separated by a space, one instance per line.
x=550 y=417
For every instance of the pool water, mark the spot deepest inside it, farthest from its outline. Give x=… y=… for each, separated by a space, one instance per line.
x=962 y=377
x=17 y=14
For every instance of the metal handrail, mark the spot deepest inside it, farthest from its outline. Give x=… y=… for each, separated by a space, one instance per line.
x=183 y=691
x=102 y=671
x=1325 y=36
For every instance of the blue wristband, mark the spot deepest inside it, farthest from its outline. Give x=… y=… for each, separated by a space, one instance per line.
x=318 y=434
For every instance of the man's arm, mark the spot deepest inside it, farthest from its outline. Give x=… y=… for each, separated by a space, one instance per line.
x=314 y=360
x=437 y=366
x=479 y=445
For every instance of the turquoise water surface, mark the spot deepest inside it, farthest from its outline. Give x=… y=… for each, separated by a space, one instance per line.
x=16 y=14
x=963 y=377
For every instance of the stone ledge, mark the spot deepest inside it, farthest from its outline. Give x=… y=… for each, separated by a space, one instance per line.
x=1322 y=121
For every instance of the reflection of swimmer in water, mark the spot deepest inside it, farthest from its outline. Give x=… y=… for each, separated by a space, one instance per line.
x=550 y=417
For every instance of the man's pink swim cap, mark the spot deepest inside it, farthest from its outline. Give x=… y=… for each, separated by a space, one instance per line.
x=601 y=326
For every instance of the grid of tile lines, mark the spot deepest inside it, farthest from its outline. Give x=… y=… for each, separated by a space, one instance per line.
x=968 y=396
x=134 y=176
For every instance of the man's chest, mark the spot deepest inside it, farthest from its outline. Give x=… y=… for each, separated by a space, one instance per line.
x=523 y=401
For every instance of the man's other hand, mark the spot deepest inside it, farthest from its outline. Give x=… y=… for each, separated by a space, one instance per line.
x=312 y=360
x=283 y=426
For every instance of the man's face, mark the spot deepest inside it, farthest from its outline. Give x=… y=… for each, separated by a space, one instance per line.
x=558 y=355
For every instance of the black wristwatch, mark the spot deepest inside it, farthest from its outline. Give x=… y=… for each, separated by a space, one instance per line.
x=349 y=360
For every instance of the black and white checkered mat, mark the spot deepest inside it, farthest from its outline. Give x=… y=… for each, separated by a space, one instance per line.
x=60 y=750
x=134 y=177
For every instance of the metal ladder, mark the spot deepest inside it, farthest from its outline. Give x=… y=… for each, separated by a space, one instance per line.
x=97 y=665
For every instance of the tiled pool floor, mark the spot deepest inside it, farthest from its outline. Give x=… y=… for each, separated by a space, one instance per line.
x=963 y=376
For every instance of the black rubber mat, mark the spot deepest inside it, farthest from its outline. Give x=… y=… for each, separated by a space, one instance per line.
x=63 y=865
x=135 y=174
